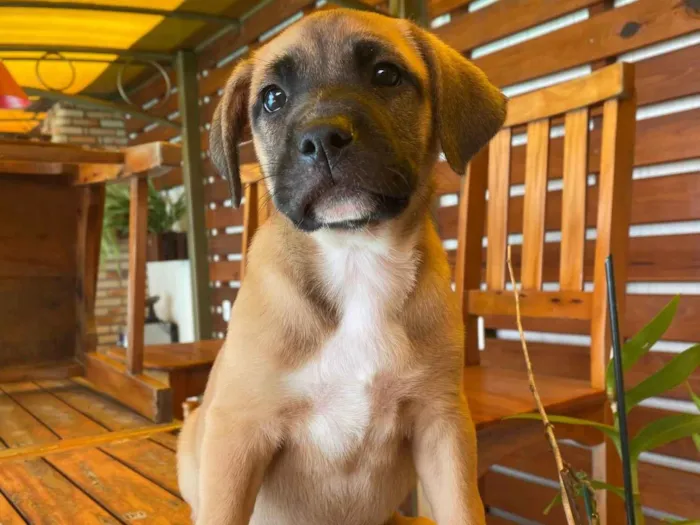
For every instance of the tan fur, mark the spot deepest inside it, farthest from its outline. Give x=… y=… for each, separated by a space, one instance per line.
x=245 y=455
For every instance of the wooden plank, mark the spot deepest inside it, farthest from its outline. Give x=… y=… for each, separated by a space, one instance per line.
x=104 y=410
x=37 y=227
x=469 y=253
x=225 y=271
x=640 y=310
x=46 y=497
x=615 y=81
x=662 y=488
x=223 y=293
x=573 y=200
x=521 y=498
x=469 y=30
x=8 y=514
x=571 y=361
x=597 y=38
x=38 y=491
x=669 y=258
x=499 y=176
x=612 y=226
x=37 y=320
x=136 y=309
x=661 y=139
x=223 y=217
x=88 y=259
x=224 y=244
x=149 y=159
x=673 y=198
x=557 y=305
x=24 y=151
x=668 y=76
x=130 y=447
x=46 y=370
x=535 y=204
x=147 y=396
x=121 y=490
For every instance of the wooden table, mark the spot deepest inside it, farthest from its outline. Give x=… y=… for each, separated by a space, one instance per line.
x=51 y=209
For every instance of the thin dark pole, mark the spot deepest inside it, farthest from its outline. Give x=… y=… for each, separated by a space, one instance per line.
x=620 y=391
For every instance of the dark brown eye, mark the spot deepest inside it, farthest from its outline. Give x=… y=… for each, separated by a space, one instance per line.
x=386 y=74
x=274 y=99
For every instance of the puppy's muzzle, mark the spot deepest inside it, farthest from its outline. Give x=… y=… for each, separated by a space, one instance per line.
x=324 y=142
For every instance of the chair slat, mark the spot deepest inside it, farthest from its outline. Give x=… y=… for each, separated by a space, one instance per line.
x=614 y=203
x=573 y=208
x=612 y=82
x=497 y=224
x=472 y=205
x=535 y=202
x=557 y=305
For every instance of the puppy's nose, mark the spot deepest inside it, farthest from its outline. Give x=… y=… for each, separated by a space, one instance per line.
x=328 y=139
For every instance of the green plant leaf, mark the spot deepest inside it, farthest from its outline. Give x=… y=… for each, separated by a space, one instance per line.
x=608 y=430
x=664 y=430
x=555 y=501
x=670 y=376
x=641 y=343
x=601 y=485
x=696 y=400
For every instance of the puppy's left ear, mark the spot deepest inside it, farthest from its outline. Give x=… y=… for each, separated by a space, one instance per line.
x=227 y=127
x=467 y=109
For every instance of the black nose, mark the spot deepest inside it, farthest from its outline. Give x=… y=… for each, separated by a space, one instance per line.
x=328 y=139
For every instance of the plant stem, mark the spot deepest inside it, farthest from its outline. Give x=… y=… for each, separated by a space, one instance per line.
x=638 y=513
x=548 y=427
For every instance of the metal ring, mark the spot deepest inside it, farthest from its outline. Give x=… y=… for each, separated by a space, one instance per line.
x=157 y=67
x=62 y=57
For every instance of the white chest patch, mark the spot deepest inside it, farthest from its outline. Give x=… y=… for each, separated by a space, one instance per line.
x=370 y=280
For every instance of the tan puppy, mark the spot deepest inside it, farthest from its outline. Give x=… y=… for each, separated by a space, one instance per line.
x=340 y=377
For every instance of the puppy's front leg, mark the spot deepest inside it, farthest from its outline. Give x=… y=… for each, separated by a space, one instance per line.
x=445 y=457
x=236 y=450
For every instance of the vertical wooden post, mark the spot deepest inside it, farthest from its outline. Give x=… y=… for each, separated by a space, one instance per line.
x=136 y=309
x=92 y=202
x=614 y=202
x=188 y=97
x=470 y=231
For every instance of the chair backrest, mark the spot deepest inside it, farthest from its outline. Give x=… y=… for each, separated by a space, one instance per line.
x=578 y=102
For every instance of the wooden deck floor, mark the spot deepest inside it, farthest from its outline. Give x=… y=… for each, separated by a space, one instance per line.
x=71 y=456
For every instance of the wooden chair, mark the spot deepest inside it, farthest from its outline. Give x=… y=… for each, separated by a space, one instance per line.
x=494 y=393
x=51 y=209
x=184 y=367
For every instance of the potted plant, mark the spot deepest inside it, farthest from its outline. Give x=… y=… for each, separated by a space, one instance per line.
x=164 y=213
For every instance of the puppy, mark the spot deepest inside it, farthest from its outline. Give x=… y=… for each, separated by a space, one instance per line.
x=340 y=377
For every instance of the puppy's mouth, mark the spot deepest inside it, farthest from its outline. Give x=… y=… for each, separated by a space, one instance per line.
x=342 y=207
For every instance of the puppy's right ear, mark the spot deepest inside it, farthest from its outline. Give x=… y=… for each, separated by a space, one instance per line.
x=227 y=126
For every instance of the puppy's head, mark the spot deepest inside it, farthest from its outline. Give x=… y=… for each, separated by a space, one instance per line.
x=348 y=112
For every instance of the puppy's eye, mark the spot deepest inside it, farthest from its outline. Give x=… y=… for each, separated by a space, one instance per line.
x=274 y=99
x=386 y=74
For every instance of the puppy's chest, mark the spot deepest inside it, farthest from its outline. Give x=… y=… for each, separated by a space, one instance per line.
x=350 y=385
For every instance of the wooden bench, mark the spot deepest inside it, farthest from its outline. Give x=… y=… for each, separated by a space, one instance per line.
x=51 y=209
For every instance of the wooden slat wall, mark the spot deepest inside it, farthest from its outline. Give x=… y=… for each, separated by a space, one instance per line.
x=522 y=45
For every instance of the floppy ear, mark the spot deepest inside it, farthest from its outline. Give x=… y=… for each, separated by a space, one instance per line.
x=227 y=126
x=468 y=109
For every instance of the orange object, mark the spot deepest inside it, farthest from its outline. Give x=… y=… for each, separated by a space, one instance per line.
x=11 y=95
